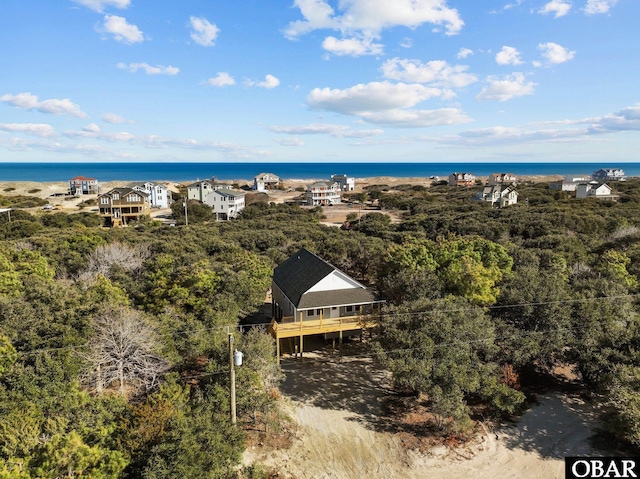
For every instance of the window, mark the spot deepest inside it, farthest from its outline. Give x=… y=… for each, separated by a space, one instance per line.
x=116 y=196
x=104 y=200
x=310 y=312
x=349 y=309
x=133 y=198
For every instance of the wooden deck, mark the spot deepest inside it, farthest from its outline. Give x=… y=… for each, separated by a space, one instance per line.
x=286 y=328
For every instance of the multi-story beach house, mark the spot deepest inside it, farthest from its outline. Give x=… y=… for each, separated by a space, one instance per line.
x=501 y=179
x=346 y=183
x=310 y=296
x=594 y=189
x=81 y=185
x=226 y=203
x=323 y=193
x=569 y=183
x=500 y=195
x=608 y=174
x=120 y=206
x=461 y=179
x=266 y=181
x=200 y=189
x=159 y=194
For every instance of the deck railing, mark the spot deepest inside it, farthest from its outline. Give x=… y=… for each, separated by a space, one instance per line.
x=287 y=327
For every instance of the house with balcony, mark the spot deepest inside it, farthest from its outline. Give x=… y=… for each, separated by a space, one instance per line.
x=499 y=195
x=594 y=189
x=461 y=179
x=159 y=195
x=81 y=185
x=608 y=174
x=310 y=296
x=495 y=179
x=323 y=193
x=200 y=189
x=266 y=181
x=226 y=203
x=120 y=206
x=344 y=182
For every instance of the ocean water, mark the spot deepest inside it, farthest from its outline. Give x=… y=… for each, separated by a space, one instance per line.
x=182 y=172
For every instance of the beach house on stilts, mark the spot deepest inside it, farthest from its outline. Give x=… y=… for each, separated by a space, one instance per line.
x=310 y=296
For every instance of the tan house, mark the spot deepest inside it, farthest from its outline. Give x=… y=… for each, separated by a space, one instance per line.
x=120 y=206
x=461 y=179
x=310 y=296
x=501 y=179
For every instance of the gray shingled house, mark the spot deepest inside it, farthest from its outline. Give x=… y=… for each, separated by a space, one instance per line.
x=310 y=296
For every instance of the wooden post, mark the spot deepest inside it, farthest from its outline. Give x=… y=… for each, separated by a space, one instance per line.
x=301 y=346
x=278 y=348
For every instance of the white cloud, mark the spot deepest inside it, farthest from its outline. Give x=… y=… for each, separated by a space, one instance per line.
x=114 y=118
x=121 y=30
x=289 y=141
x=599 y=6
x=558 y=7
x=99 y=5
x=149 y=69
x=370 y=96
x=416 y=118
x=352 y=46
x=436 y=72
x=626 y=119
x=464 y=53
x=92 y=127
x=510 y=86
x=386 y=103
x=269 y=82
x=37 y=129
x=508 y=56
x=365 y=19
x=406 y=43
x=204 y=32
x=221 y=79
x=555 y=53
x=27 y=101
x=337 y=131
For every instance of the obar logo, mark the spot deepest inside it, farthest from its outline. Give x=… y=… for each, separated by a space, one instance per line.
x=601 y=467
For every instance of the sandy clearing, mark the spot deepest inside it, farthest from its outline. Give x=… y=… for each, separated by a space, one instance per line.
x=337 y=404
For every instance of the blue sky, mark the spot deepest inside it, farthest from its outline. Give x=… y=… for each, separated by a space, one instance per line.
x=320 y=80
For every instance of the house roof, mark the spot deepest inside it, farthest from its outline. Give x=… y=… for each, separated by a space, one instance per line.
x=125 y=191
x=302 y=271
x=227 y=192
x=82 y=178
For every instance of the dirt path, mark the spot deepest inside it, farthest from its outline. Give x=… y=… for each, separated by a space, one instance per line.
x=337 y=406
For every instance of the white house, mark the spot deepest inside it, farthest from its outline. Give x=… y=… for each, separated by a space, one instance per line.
x=226 y=203
x=159 y=195
x=346 y=183
x=593 y=189
x=266 y=181
x=323 y=193
x=501 y=195
x=608 y=174
x=567 y=183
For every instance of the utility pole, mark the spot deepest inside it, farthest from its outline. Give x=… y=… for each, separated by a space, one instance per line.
x=186 y=218
x=232 y=380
